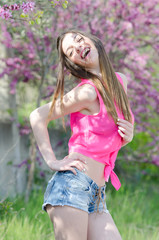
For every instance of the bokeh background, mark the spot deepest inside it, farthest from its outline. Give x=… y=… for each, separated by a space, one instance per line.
x=129 y=31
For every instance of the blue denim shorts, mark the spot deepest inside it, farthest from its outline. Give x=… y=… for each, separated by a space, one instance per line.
x=79 y=191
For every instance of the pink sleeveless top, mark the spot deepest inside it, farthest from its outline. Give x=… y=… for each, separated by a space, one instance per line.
x=97 y=137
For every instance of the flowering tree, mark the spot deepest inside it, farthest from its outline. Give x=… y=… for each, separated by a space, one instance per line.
x=30 y=62
x=128 y=31
x=28 y=10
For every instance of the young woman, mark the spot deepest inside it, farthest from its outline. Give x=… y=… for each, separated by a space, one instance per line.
x=101 y=122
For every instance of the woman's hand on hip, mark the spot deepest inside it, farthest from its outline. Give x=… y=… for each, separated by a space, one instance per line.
x=126 y=130
x=67 y=163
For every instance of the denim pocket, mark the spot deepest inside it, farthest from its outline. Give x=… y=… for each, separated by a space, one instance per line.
x=77 y=184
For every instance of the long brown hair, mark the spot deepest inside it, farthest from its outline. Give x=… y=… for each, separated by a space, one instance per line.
x=109 y=86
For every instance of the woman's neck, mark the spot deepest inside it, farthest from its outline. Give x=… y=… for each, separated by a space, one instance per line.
x=97 y=72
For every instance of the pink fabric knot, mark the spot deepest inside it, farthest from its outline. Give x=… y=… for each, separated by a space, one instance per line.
x=108 y=171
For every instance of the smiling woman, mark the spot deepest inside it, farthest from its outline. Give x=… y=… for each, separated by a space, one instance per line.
x=101 y=122
x=81 y=50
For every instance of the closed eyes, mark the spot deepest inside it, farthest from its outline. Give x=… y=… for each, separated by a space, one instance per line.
x=79 y=39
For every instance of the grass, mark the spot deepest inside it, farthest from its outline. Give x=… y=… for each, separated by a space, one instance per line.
x=135 y=210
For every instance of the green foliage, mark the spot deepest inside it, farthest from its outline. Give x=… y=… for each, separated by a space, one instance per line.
x=35 y=18
x=23 y=15
x=64 y=5
x=24 y=111
x=133 y=166
x=140 y=140
x=134 y=208
x=31 y=22
x=5 y=208
x=52 y=124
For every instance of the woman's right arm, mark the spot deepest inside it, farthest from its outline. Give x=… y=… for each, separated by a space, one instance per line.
x=75 y=100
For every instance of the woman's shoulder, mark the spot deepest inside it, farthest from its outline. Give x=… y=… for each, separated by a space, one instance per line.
x=86 y=87
x=86 y=90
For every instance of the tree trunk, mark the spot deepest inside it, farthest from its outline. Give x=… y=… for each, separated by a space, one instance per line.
x=32 y=154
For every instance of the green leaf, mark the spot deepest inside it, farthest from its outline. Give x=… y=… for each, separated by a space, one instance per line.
x=23 y=15
x=29 y=161
x=10 y=111
x=10 y=163
x=52 y=124
x=38 y=14
x=31 y=22
x=38 y=21
x=64 y=5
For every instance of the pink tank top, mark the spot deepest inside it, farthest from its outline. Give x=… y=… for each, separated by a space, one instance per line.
x=97 y=137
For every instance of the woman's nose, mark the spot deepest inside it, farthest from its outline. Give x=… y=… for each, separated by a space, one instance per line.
x=78 y=49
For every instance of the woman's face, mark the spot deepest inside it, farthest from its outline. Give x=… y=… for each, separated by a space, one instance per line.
x=81 y=50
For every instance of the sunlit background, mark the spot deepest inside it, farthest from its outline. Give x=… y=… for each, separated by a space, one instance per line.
x=129 y=31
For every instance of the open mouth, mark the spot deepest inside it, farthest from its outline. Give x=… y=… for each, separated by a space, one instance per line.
x=85 y=52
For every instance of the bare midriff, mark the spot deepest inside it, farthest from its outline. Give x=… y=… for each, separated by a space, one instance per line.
x=94 y=169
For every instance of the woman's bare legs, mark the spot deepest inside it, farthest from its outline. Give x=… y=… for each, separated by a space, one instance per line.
x=102 y=227
x=69 y=223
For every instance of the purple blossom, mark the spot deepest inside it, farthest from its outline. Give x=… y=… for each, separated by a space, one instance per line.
x=24 y=162
x=38 y=160
x=5 y=14
x=42 y=174
x=5 y=10
x=144 y=172
x=120 y=27
x=155 y=160
x=13 y=86
x=14 y=7
x=29 y=6
x=53 y=67
x=25 y=130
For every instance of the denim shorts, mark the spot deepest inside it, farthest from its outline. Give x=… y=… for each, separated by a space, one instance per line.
x=79 y=191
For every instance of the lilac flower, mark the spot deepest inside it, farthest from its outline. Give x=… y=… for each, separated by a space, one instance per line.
x=155 y=160
x=38 y=160
x=42 y=174
x=25 y=130
x=53 y=67
x=29 y=6
x=26 y=7
x=14 y=7
x=5 y=7
x=5 y=14
x=24 y=162
x=1 y=10
x=143 y=172
x=13 y=86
